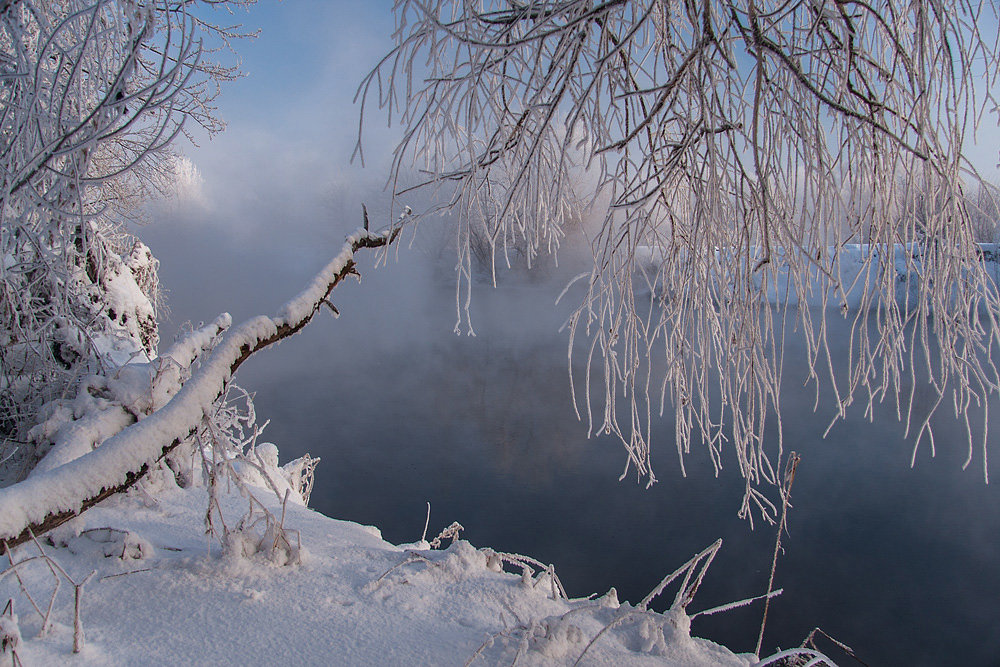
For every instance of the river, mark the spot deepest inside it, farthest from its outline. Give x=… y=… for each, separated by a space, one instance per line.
x=900 y=563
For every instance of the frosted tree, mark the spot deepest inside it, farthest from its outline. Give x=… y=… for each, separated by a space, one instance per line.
x=92 y=93
x=756 y=169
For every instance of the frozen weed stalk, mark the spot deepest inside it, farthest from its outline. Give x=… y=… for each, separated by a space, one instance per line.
x=10 y=635
x=576 y=635
x=9 y=627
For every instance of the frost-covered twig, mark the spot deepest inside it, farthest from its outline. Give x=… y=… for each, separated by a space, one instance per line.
x=274 y=541
x=627 y=616
x=489 y=641
x=736 y=605
x=10 y=634
x=50 y=499
x=77 y=620
x=449 y=533
x=525 y=563
x=58 y=574
x=688 y=588
x=813 y=658
x=427 y=522
x=411 y=557
x=786 y=495
x=693 y=570
x=24 y=590
x=810 y=642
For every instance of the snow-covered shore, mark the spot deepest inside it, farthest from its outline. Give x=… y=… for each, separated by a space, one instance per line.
x=850 y=270
x=354 y=599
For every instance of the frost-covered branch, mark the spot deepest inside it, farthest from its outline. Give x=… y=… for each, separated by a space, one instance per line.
x=51 y=498
x=741 y=141
x=92 y=93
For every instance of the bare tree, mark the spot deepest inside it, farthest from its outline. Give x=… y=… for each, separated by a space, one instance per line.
x=92 y=93
x=744 y=160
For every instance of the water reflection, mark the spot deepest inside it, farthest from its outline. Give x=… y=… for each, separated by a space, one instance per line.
x=900 y=563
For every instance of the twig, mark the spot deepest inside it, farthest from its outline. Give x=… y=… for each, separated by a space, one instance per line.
x=451 y=532
x=122 y=574
x=77 y=622
x=809 y=641
x=411 y=557
x=736 y=605
x=427 y=522
x=24 y=589
x=786 y=494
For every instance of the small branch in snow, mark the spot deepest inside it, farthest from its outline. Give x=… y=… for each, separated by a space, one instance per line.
x=810 y=642
x=411 y=557
x=77 y=622
x=124 y=574
x=427 y=521
x=786 y=494
x=449 y=533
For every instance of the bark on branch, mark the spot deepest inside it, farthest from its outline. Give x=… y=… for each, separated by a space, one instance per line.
x=43 y=502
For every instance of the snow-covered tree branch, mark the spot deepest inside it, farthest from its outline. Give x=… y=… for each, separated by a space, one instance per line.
x=92 y=93
x=752 y=168
x=56 y=494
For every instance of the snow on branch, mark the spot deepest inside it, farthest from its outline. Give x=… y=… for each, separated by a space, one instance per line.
x=138 y=389
x=48 y=500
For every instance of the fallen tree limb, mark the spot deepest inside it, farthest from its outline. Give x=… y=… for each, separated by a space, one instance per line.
x=43 y=502
x=165 y=376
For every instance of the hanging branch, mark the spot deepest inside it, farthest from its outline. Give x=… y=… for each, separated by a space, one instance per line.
x=747 y=172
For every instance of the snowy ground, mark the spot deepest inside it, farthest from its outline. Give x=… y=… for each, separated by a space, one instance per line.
x=354 y=599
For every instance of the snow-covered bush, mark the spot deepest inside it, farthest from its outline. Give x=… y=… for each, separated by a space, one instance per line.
x=92 y=92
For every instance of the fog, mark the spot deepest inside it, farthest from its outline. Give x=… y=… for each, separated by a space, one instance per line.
x=899 y=563
x=404 y=412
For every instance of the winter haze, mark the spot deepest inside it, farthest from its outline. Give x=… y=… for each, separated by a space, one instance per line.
x=901 y=562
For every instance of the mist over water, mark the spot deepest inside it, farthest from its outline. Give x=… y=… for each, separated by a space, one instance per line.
x=901 y=564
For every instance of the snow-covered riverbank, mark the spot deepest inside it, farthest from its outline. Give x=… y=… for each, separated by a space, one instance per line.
x=354 y=599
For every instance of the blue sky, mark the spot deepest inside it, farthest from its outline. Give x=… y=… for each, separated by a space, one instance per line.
x=278 y=190
x=302 y=71
x=308 y=53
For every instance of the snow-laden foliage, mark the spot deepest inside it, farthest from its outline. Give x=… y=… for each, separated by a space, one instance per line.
x=92 y=92
x=746 y=143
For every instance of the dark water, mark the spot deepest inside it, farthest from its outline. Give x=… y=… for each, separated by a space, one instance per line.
x=901 y=564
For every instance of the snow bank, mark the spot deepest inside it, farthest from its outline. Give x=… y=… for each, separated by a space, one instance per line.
x=856 y=266
x=163 y=596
